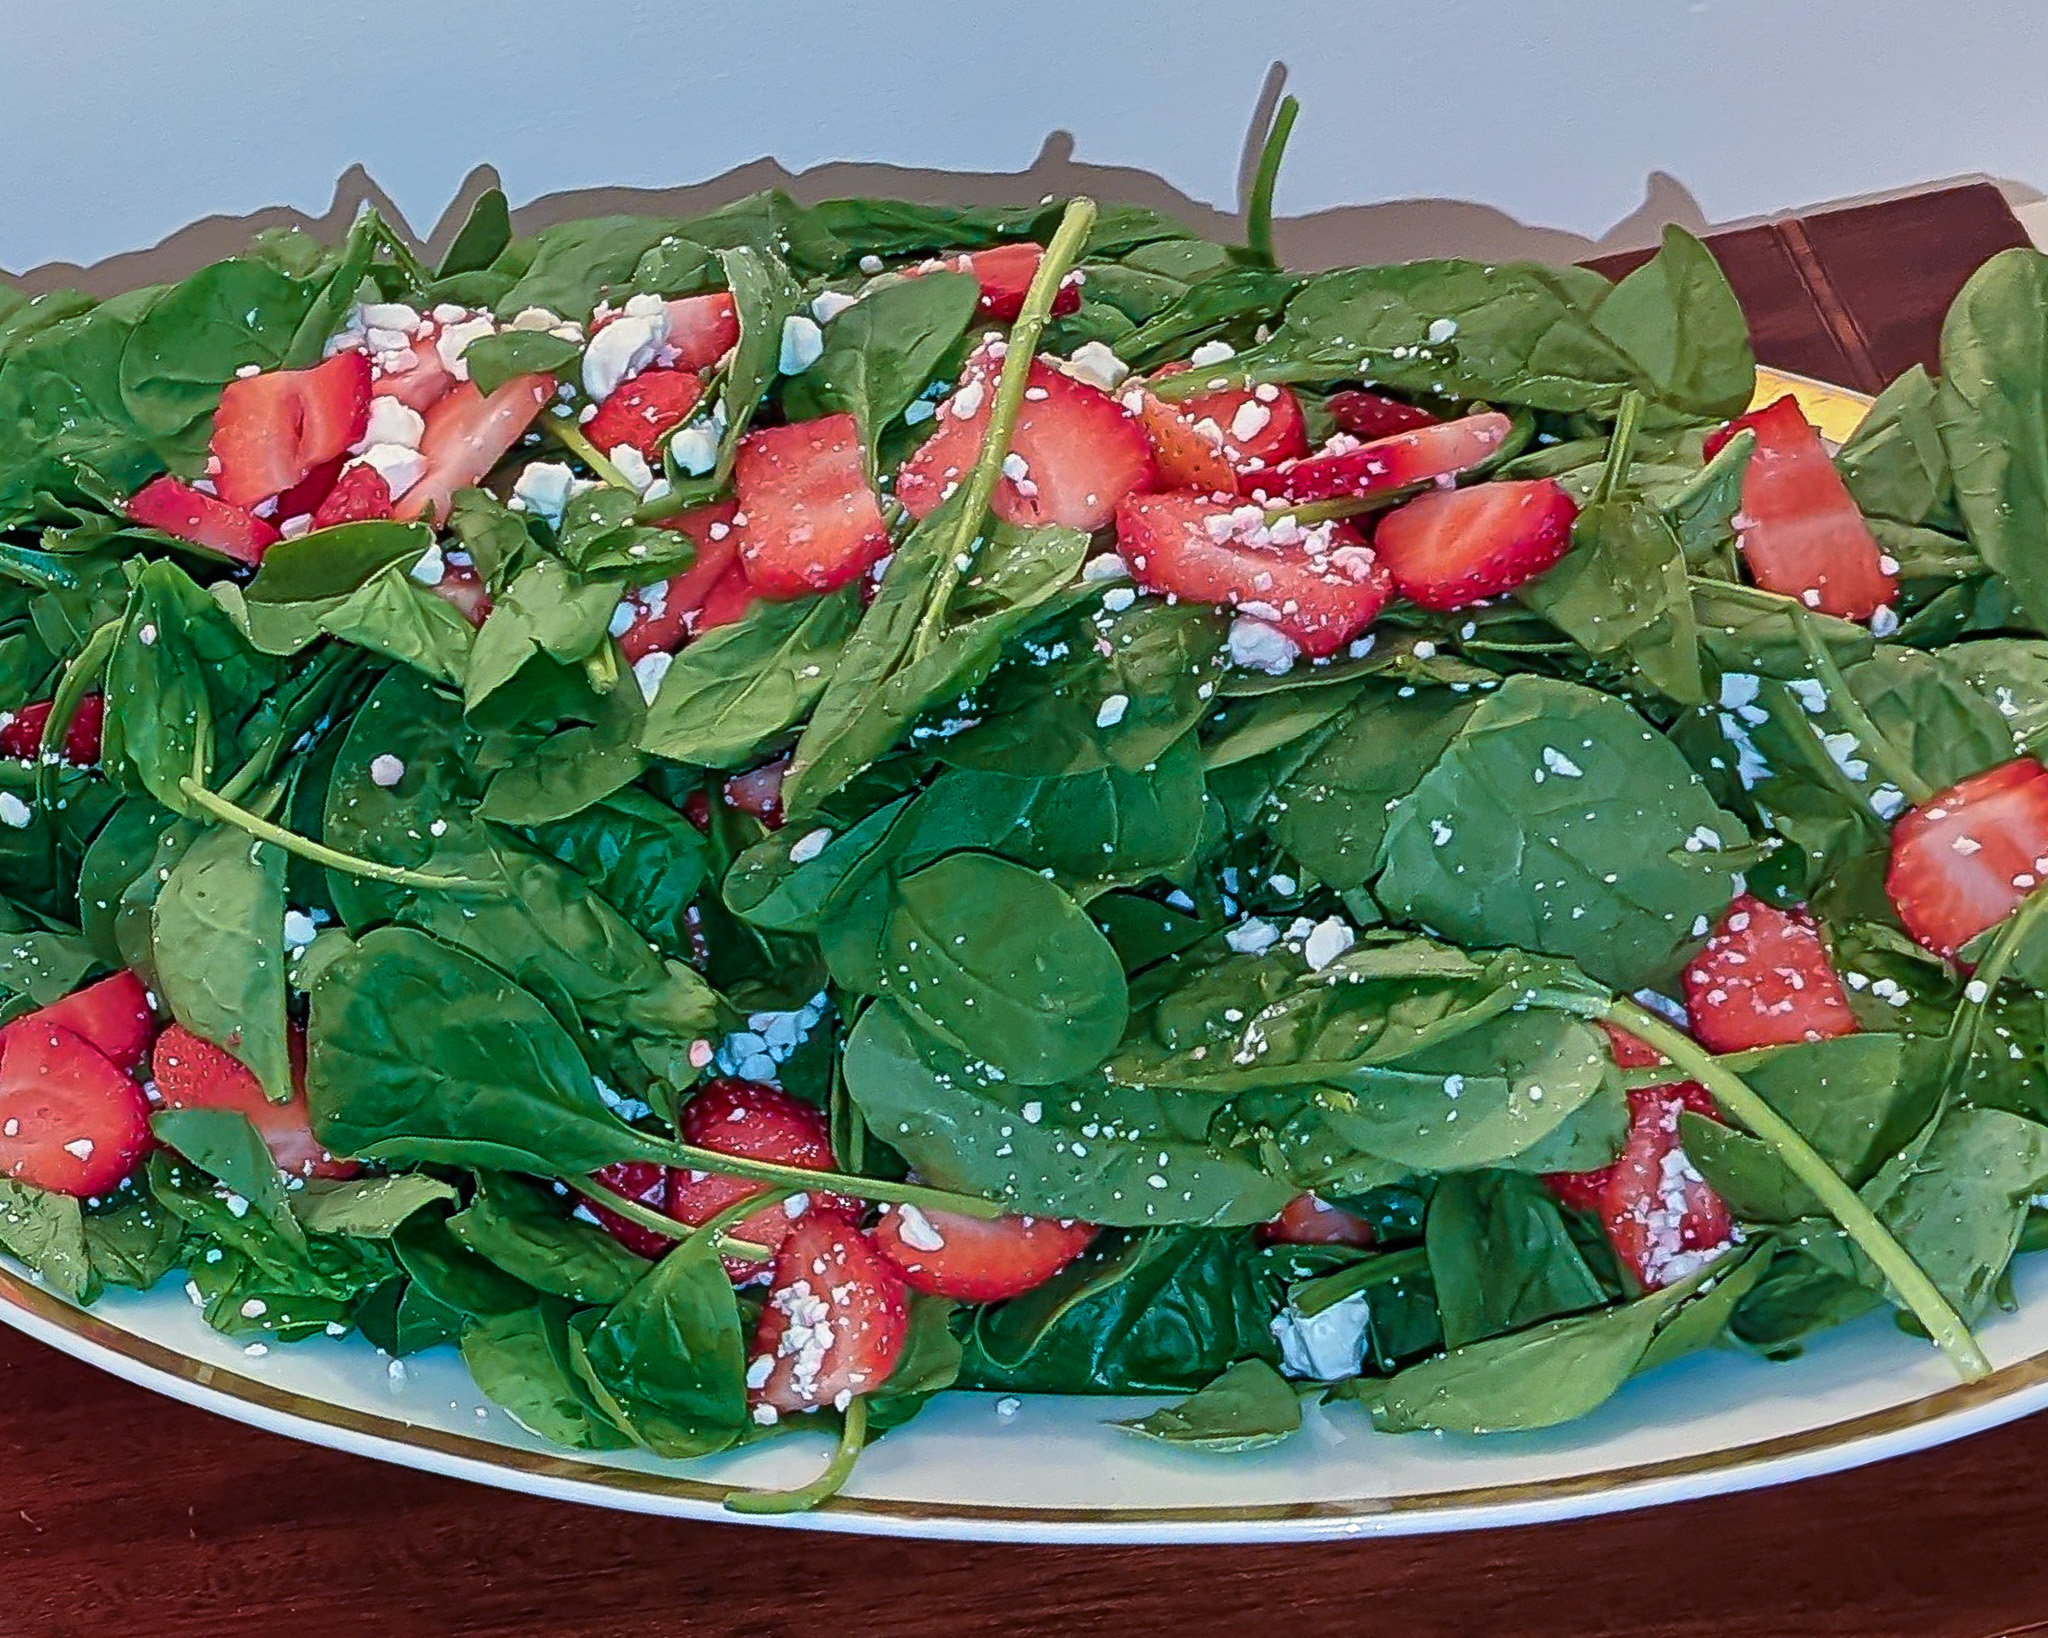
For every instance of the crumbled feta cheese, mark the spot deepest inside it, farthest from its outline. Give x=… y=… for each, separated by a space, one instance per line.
x=622 y=349
x=648 y=671
x=803 y=344
x=544 y=488
x=830 y=304
x=386 y=770
x=399 y=465
x=695 y=448
x=1097 y=365
x=1211 y=352
x=1256 y=646
x=1327 y=1346
x=432 y=567
x=1252 y=937
x=807 y=847
x=14 y=812
x=917 y=1230
x=391 y=422
x=1112 y=710
x=456 y=339
x=1328 y=940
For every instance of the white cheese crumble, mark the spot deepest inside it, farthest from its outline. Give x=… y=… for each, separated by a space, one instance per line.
x=1327 y=1346
x=803 y=344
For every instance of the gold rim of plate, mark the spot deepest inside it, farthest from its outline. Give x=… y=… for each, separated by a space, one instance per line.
x=1836 y=412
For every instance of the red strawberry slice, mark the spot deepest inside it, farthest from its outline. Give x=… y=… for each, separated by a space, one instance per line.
x=193 y=1073
x=1247 y=431
x=834 y=1324
x=1967 y=858
x=273 y=430
x=1800 y=532
x=1587 y=1191
x=1660 y=1215
x=206 y=520
x=1369 y=415
x=113 y=1017
x=758 y=791
x=1764 y=979
x=1630 y=1053
x=1076 y=454
x=643 y=411
x=21 y=733
x=1321 y=586
x=70 y=1121
x=808 y=520
x=425 y=378
x=702 y=330
x=1308 y=1220
x=468 y=434
x=731 y=595
x=973 y=1259
x=1005 y=274
x=1455 y=547
x=646 y=1184
x=359 y=495
x=755 y=1121
x=662 y=613
x=305 y=496
x=1418 y=456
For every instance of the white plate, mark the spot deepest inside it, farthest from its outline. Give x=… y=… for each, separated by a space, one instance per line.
x=1055 y=1471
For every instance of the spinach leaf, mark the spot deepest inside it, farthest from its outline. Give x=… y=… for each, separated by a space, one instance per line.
x=370 y=1208
x=881 y=353
x=522 y=1363
x=197 y=335
x=1558 y=820
x=736 y=690
x=1501 y=1257
x=1248 y=1407
x=47 y=1233
x=218 y=937
x=1093 y=1149
x=225 y=1144
x=419 y=1051
x=136 y=1243
x=568 y=267
x=533 y=1239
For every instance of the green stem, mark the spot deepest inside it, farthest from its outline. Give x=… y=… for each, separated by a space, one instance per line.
x=564 y=430
x=1842 y=699
x=401 y=252
x=798 y=1180
x=86 y=668
x=1309 y=513
x=1735 y=1097
x=314 y=694
x=1059 y=258
x=1258 y=216
x=853 y=1438
x=661 y=1223
x=1620 y=448
x=317 y=852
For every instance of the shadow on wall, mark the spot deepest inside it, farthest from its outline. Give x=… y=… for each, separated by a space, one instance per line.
x=1399 y=230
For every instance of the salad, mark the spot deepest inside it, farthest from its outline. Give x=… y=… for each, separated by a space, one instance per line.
x=756 y=818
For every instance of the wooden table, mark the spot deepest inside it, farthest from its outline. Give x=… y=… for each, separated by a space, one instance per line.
x=128 y=1516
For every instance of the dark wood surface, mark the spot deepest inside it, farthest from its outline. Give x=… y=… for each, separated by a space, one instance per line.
x=124 y=1515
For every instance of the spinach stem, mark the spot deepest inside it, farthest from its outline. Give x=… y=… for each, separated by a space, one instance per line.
x=1059 y=258
x=1735 y=452
x=853 y=1438
x=1258 y=215
x=1735 y=1097
x=314 y=852
x=797 y=1180
x=1310 y=513
x=1620 y=448
x=86 y=668
x=1991 y=971
x=1895 y=768
x=564 y=430
x=661 y=1223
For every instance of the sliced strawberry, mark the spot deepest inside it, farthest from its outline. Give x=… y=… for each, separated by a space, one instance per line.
x=1369 y=415
x=1216 y=439
x=643 y=411
x=729 y=598
x=205 y=520
x=702 y=330
x=1308 y=1220
x=834 y=1324
x=1587 y=1191
x=461 y=586
x=1074 y=456
x=424 y=378
x=1630 y=1053
x=662 y=612
x=1005 y=274
x=303 y=499
x=1660 y=1215
x=1966 y=859
x=192 y=1073
x=21 y=733
x=468 y=434
x=1800 y=532
x=1346 y=467
x=272 y=430
x=974 y=1259
x=754 y=1121
x=645 y=1183
x=70 y=1121
x=808 y=520
x=1321 y=586
x=113 y=1017
x=758 y=791
x=1454 y=547
x=359 y=495
x=1764 y=979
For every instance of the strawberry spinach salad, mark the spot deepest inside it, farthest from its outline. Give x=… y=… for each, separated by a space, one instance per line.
x=752 y=819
